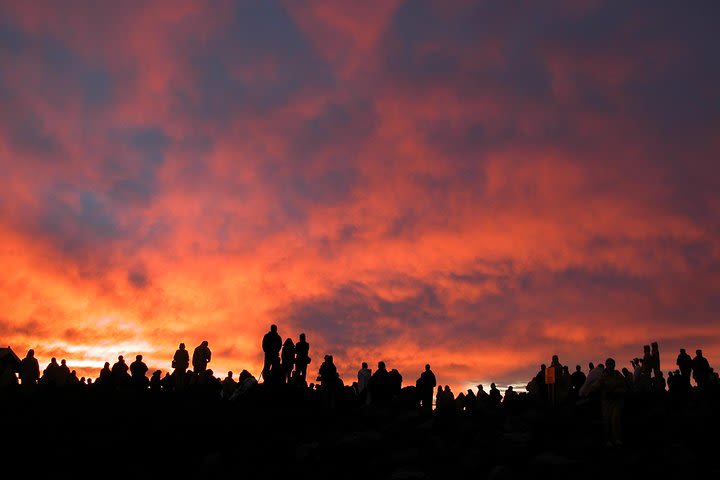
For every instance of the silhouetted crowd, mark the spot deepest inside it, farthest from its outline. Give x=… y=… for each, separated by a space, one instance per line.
x=286 y=363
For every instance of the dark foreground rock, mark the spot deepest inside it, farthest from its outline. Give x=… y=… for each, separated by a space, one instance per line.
x=146 y=436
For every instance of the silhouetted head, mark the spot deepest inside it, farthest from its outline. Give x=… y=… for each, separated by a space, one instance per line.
x=682 y=350
x=698 y=352
x=31 y=353
x=288 y=341
x=555 y=359
x=509 y=388
x=480 y=387
x=230 y=374
x=63 y=362
x=138 y=358
x=591 y=365
x=601 y=366
x=610 y=364
x=654 y=345
x=646 y=348
x=181 y=346
x=302 y=337
x=204 y=343
x=120 y=358
x=364 y=364
x=543 y=367
x=273 y=328
x=577 y=368
x=381 y=365
x=660 y=374
x=107 y=365
x=492 y=385
x=427 y=367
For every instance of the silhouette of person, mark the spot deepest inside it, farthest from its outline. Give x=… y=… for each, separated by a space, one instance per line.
x=482 y=396
x=156 y=381
x=612 y=387
x=395 y=382
x=701 y=369
x=63 y=373
x=629 y=379
x=138 y=369
x=329 y=380
x=684 y=363
x=363 y=377
x=105 y=377
x=288 y=359
x=592 y=377
x=201 y=357
x=448 y=397
x=180 y=364
x=577 y=379
x=557 y=368
x=648 y=362
x=119 y=371
x=511 y=396
x=328 y=373
x=29 y=369
x=51 y=373
x=440 y=398
x=655 y=354
x=659 y=382
x=470 y=400
x=495 y=395
x=426 y=386
x=379 y=386
x=228 y=385
x=271 y=345
x=302 y=357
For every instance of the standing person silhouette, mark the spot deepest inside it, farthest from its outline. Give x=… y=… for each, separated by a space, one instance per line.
x=426 y=386
x=138 y=369
x=684 y=363
x=655 y=354
x=612 y=387
x=201 y=357
x=180 y=363
x=302 y=357
x=271 y=345
x=577 y=379
x=29 y=369
x=363 y=377
x=120 y=372
x=288 y=359
x=379 y=386
x=701 y=369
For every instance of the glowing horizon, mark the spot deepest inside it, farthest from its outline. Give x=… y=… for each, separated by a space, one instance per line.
x=475 y=185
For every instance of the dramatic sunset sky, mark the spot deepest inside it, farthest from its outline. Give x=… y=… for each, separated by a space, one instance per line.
x=478 y=185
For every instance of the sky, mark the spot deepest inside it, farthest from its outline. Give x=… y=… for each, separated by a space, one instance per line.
x=475 y=185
